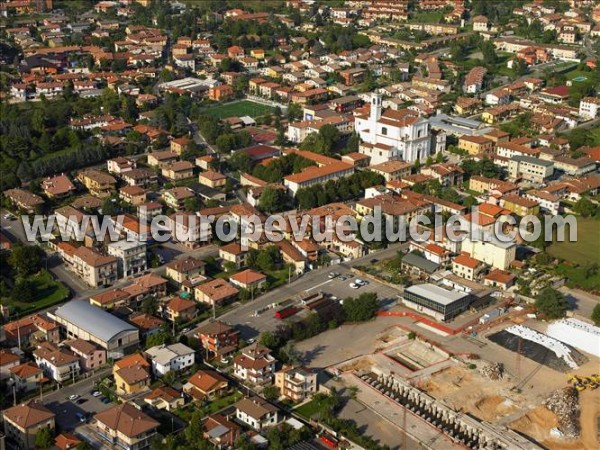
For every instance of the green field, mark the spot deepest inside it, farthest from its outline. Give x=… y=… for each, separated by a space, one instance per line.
x=580 y=255
x=238 y=109
x=427 y=17
x=49 y=292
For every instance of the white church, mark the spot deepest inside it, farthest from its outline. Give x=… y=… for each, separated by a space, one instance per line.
x=391 y=135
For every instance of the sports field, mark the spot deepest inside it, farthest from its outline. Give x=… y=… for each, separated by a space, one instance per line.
x=239 y=109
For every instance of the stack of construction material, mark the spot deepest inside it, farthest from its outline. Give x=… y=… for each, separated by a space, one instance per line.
x=493 y=371
x=565 y=404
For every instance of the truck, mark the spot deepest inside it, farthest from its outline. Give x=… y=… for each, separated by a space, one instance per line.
x=286 y=312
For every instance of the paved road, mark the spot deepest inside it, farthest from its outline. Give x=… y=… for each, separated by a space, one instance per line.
x=251 y=327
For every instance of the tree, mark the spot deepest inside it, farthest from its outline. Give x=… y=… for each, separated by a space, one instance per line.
x=551 y=303
x=44 y=438
x=272 y=200
x=26 y=259
x=192 y=204
x=269 y=340
x=362 y=308
x=596 y=315
x=289 y=354
x=24 y=290
x=271 y=393
x=241 y=161
x=584 y=207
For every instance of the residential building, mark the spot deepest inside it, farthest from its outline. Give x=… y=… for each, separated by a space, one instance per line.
x=58 y=186
x=530 y=169
x=249 y=279
x=111 y=299
x=257 y=413
x=31 y=329
x=98 y=183
x=495 y=253
x=254 y=365
x=476 y=145
x=183 y=269
x=165 y=358
x=146 y=323
x=466 y=267
x=131 y=257
x=392 y=170
x=430 y=299
x=94 y=268
x=22 y=422
x=24 y=200
x=178 y=170
x=27 y=377
x=206 y=385
x=217 y=291
x=521 y=206
x=233 y=253
x=131 y=375
x=91 y=356
x=212 y=179
x=296 y=383
x=220 y=431
x=589 y=107
x=58 y=364
x=179 y=309
x=8 y=360
x=126 y=426
x=218 y=339
x=165 y=397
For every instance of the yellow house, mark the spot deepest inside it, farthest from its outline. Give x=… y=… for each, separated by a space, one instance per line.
x=520 y=206
x=476 y=145
x=257 y=53
x=272 y=73
x=131 y=374
x=98 y=183
x=212 y=179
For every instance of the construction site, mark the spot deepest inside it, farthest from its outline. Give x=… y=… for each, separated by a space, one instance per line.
x=508 y=383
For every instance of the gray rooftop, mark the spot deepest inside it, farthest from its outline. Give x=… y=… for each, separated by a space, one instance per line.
x=436 y=293
x=532 y=160
x=420 y=262
x=93 y=320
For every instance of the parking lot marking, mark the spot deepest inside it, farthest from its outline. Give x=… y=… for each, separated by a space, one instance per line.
x=319 y=285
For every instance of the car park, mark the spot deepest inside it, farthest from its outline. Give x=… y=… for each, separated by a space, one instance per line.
x=81 y=401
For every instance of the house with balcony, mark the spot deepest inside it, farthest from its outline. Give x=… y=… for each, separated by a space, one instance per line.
x=296 y=383
x=255 y=365
x=27 y=377
x=22 y=422
x=165 y=358
x=57 y=363
x=131 y=374
x=218 y=339
x=131 y=257
x=126 y=426
x=257 y=413
x=91 y=356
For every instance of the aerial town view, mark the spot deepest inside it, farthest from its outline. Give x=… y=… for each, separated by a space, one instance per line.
x=300 y=224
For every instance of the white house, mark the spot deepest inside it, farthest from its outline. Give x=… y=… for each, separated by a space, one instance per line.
x=390 y=134
x=588 y=107
x=58 y=364
x=170 y=357
x=257 y=413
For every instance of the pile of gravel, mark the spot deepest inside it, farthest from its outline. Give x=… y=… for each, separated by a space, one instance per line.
x=565 y=404
x=493 y=371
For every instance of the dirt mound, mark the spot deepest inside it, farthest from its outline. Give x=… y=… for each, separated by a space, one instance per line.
x=494 y=406
x=537 y=423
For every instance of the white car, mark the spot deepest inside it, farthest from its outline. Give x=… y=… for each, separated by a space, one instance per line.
x=354 y=286
x=359 y=282
x=96 y=393
x=73 y=397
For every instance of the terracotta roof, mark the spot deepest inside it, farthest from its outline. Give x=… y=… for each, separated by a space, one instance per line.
x=186 y=264
x=111 y=296
x=66 y=441
x=82 y=346
x=131 y=360
x=520 y=201
x=146 y=321
x=255 y=407
x=93 y=258
x=54 y=355
x=127 y=419
x=7 y=357
x=133 y=374
x=25 y=370
x=215 y=327
x=212 y=175
x=467 y=261
x=206 y=380
x=28 y=414
x=218 y=290
x=58 y=185
x=248 y=276
x=500 y=276
x=166 y=393
x=178 y=304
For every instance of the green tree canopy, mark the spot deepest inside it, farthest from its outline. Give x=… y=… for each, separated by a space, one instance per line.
x=551 y=303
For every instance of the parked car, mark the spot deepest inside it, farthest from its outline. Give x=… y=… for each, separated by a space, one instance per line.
x=96 y=393
x=332 y=275
x=73 y=397
x=354 y=285
x=81 y=417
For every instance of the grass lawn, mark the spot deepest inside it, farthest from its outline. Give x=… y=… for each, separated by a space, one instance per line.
x=49 y=292
x=578 y=255
x=238 y=109
x=427 y=17
x=311 y=408
x=221 y=403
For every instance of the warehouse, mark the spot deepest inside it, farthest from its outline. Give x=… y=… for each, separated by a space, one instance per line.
x=84 y=321
x=443 y=304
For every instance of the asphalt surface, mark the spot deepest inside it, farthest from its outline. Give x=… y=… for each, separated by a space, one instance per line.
x=317 y=280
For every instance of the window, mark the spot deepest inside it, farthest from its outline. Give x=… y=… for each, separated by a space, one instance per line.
x=384 y=131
